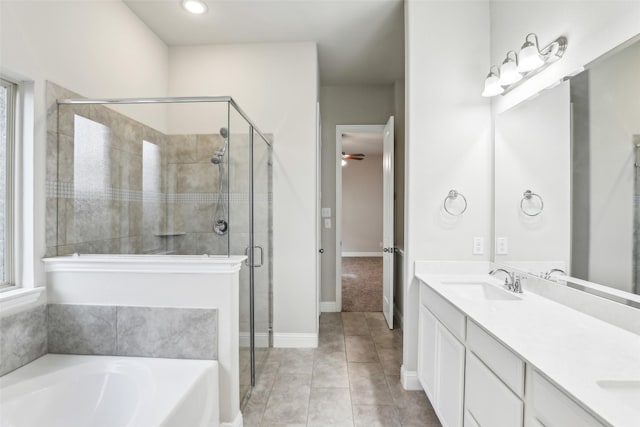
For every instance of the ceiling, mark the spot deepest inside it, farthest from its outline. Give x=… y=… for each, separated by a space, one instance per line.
x=368 y=143
x=359 y=41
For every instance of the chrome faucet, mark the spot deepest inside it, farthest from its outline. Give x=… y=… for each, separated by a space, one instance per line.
x=509 y=280
x=549 y=273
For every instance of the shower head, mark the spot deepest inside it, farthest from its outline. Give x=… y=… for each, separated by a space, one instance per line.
x=217 y=156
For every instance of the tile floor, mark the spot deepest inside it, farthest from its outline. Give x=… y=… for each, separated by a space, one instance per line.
x=351 y=379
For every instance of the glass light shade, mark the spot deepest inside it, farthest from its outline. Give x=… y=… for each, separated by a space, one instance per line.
x=194 y=6
x=509 y=73
x=530 y=58
x=344 y=162
x=492 y=86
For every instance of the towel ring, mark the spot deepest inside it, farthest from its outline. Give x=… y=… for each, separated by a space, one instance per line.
x=528 y=195
x=453 y=195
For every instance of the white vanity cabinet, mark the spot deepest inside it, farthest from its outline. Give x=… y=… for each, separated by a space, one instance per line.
x=494 y=379
x=550 y=407
x=441 y=361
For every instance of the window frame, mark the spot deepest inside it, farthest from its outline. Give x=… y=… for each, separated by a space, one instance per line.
x=10 y=183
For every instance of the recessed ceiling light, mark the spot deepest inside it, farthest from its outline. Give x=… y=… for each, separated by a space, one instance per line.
x=197 y=7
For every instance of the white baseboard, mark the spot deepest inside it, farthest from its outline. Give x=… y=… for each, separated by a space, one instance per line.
x=361 y=254
x=409 y=379
x=284 y=340
x=328 y=307
x=262 y=339
x=237 y=421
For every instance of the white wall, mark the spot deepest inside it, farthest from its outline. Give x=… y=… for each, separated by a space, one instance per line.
x=98 y=49
x=277 y=86
x=613 y=97
x=448 y=142
x=344 y=105
x=362 y=205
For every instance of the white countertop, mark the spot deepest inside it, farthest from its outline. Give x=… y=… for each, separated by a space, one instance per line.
x=570 y=348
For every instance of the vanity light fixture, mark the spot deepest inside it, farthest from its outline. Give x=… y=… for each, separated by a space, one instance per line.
x=344 y=162
x=509 y=72
x=530 y=56
x=517 y=68
x=197 y=7
x=492 y=85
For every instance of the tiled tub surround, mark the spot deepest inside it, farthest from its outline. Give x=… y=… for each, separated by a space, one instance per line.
x=175 y=333
x=573 y=350
x=23 y=337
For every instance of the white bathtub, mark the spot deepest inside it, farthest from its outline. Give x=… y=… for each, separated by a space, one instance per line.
x=107 y=391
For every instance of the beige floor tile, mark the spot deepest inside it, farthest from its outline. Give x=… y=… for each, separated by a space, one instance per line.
x=325 y=387
x=330 y=406
x=370 y=391
x=330 y=370
x=360 y=349
x=331 y=342
x=365 y=370
x=296 y=361
x=289 y=406
x=252 y=413
x=376 y=416
x=355 y=324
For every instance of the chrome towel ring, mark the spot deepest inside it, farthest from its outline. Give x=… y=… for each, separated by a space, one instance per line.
x=529 y=195
x=453 y=195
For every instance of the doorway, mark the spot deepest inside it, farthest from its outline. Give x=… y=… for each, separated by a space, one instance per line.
x=364 y=218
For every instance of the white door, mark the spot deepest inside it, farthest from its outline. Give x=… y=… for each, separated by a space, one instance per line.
x=387 y=226
x=318 y=210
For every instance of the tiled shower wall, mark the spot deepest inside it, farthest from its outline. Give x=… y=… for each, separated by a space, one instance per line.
x=117 y=186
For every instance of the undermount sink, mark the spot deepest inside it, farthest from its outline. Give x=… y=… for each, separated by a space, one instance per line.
x=480 y=290
x=624 y=391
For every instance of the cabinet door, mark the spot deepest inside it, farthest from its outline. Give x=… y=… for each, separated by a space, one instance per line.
x=427 y=351
x=450 y=384
x=488 y=400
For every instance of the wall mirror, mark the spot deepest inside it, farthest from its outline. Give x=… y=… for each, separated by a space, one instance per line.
x=567 y=179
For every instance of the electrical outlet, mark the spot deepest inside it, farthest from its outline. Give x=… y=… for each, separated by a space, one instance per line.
x=502 y=246
x=326 y=212
x=478 y=245
x=327 y=223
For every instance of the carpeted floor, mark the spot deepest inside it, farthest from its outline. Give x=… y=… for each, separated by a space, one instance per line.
x=362 y=284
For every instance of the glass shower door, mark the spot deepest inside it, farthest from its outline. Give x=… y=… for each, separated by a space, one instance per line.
x=250 y=225
x=261 y=231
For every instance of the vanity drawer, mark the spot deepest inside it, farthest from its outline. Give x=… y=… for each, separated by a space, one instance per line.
x=446 y=313
x=488 y=402
x=553 y=408
x=506 y=365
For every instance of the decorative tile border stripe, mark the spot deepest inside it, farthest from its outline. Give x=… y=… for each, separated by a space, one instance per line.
x=67 y=190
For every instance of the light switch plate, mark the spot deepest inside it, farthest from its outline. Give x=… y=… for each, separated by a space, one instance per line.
x=478 y=245
x=327 y=223
x=326 y=212
x=502 y=246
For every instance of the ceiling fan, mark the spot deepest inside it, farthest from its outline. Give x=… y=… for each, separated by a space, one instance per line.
x=346 y=156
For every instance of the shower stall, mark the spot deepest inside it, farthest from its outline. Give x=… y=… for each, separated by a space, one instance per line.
x=166 y=176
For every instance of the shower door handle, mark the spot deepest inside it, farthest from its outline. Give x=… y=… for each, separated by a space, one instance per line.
x=246 y=252
x=261 y=255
